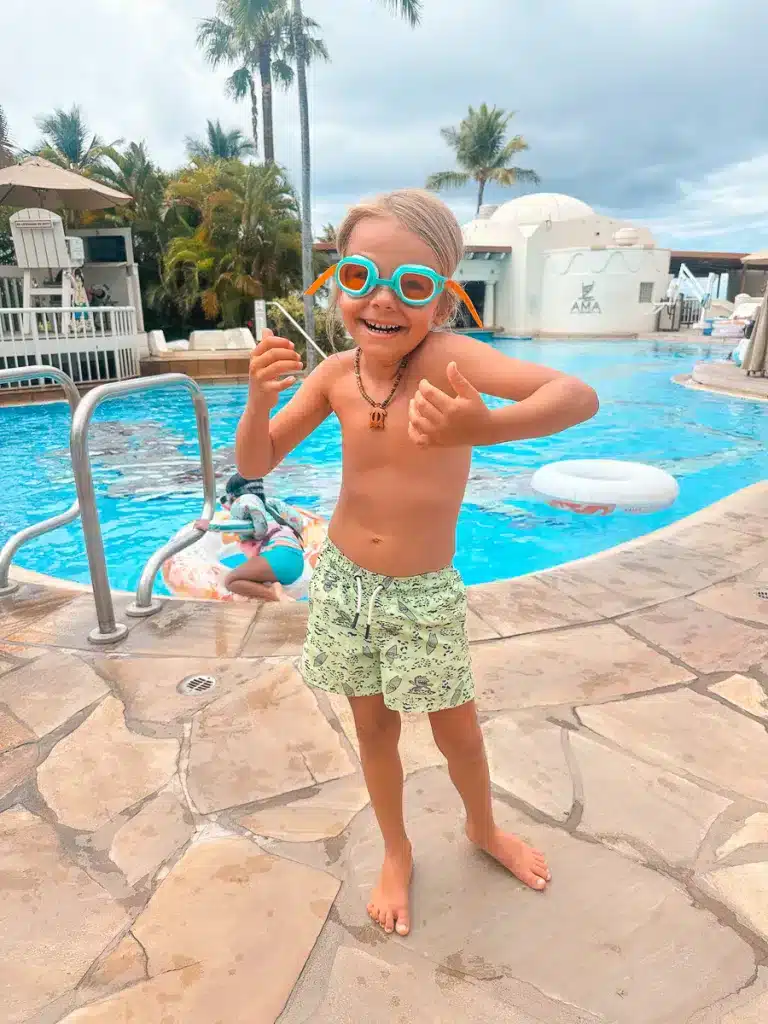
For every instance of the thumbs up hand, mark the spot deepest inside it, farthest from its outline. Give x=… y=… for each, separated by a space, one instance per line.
x=436 y=419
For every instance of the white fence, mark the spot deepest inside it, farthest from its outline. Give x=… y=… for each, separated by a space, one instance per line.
x=92 y=344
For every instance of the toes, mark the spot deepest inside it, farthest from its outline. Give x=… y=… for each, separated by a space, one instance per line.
x=389 y=922
x=403 y=924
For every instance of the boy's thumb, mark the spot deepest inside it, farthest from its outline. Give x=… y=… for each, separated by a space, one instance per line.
x=459 y=382
x=267 y=332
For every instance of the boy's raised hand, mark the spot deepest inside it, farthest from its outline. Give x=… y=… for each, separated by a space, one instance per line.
x=272 y=366
x=440 y=420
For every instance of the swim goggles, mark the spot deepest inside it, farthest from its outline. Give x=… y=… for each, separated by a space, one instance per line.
x=413 y=284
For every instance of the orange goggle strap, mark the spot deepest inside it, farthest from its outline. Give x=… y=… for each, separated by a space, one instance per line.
x=324 y=277
x=458 y=291
x=452 y=286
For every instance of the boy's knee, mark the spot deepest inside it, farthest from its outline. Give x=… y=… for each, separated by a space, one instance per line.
x=465 y=742
x=375 y=723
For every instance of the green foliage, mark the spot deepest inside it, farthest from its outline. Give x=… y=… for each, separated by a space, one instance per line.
x=6 y=145
x=330 y=333
x=243 y=240
x=219 y=144
x=483 y=153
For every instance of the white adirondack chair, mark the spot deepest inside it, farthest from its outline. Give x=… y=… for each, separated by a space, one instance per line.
x=41 y=246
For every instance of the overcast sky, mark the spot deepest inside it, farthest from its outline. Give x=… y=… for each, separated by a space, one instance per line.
x=655 y=111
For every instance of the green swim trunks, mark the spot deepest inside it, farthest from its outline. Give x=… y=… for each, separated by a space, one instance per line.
x=404 y=637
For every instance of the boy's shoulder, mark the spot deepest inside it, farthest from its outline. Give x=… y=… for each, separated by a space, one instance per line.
x=442 y=347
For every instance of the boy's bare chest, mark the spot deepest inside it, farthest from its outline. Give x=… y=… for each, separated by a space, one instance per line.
x=374 y=434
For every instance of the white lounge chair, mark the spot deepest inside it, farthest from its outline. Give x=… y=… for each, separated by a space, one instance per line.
x=42 y=248
x=234 y=339
x=158 y=346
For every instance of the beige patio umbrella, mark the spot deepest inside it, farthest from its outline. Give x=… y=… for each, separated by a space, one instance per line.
x=756 y=357
x=756 y=259
x=36 y=182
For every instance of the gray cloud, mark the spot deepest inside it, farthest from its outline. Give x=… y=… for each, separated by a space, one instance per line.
x=639 y=107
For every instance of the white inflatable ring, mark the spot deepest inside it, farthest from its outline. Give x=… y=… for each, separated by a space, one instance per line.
x=600 y=486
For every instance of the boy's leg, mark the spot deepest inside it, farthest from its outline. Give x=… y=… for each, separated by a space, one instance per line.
x=458 y=735
x=378 y=732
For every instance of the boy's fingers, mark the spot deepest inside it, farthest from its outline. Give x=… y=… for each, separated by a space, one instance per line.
x=275 y=370
x=276 y=356
x=419 y=422
x=435 y=396
x=417 y=437
x=426 y=409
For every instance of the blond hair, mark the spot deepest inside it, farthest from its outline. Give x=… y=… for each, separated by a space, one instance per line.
x=425 y=216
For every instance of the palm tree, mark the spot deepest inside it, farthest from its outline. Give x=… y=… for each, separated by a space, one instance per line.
x=482 y=153
x=6 y=146
x=133 y=172
x=220 y=144
x=254 y=35
x=66 y=141
x=408 y=9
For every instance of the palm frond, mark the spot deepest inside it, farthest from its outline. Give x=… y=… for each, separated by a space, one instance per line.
x=411 y=10
x=447 y=179
x=508 y=176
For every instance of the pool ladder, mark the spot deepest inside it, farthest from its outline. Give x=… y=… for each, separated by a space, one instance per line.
x=109 y=631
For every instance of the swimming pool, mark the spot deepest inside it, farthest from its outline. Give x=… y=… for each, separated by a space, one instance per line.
x=148 y=485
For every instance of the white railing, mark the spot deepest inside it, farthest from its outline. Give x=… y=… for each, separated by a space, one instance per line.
x=92 y=344
x=690 y=312
x=11 y=288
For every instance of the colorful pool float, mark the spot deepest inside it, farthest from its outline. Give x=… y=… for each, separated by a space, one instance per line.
x=199 y=571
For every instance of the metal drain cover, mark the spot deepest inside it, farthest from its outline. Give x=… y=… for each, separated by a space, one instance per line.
x=192 y=686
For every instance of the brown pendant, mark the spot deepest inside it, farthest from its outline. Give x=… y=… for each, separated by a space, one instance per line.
x=378 y=419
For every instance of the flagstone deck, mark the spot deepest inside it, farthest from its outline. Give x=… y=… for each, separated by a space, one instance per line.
x=726 y=379
x=169 y=859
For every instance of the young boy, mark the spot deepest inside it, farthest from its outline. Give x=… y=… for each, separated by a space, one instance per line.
x=387 y=611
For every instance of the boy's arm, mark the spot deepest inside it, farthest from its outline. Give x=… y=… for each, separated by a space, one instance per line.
x=262 y=443
x=547 y=401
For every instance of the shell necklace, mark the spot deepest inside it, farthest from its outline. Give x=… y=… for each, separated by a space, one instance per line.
x=378 y=418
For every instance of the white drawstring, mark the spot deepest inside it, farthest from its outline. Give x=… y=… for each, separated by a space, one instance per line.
x=371 y=604
x=359 y=582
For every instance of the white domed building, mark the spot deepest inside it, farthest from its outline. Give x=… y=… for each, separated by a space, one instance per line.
x=547 y=264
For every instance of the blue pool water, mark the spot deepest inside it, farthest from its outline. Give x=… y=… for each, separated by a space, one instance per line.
x=148 y=486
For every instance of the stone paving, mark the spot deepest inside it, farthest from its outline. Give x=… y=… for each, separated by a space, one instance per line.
x=206 y=858
x=725 y=378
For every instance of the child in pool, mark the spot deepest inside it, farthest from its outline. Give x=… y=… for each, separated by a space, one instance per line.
x=387 y=610
x=278 y=559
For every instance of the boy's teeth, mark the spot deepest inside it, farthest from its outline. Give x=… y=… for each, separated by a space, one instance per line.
x=381 y=328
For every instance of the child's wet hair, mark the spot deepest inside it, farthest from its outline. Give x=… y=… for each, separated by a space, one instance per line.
x=425 y=216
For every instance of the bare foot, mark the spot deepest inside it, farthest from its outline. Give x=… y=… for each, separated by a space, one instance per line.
x=390 y=898
x=511 y=852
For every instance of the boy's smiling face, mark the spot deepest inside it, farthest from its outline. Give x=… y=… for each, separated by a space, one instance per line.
x=389 y=245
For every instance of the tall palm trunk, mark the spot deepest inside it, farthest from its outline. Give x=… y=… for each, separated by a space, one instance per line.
x=254 y=114
x=265 y=73
x=480 y=194
x=306 y=177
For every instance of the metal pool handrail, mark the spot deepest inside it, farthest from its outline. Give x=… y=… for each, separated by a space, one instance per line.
x=11 y=546
x=109 y=631
x=299 y=328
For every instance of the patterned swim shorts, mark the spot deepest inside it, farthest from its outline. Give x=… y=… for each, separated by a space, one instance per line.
x=402 y=636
